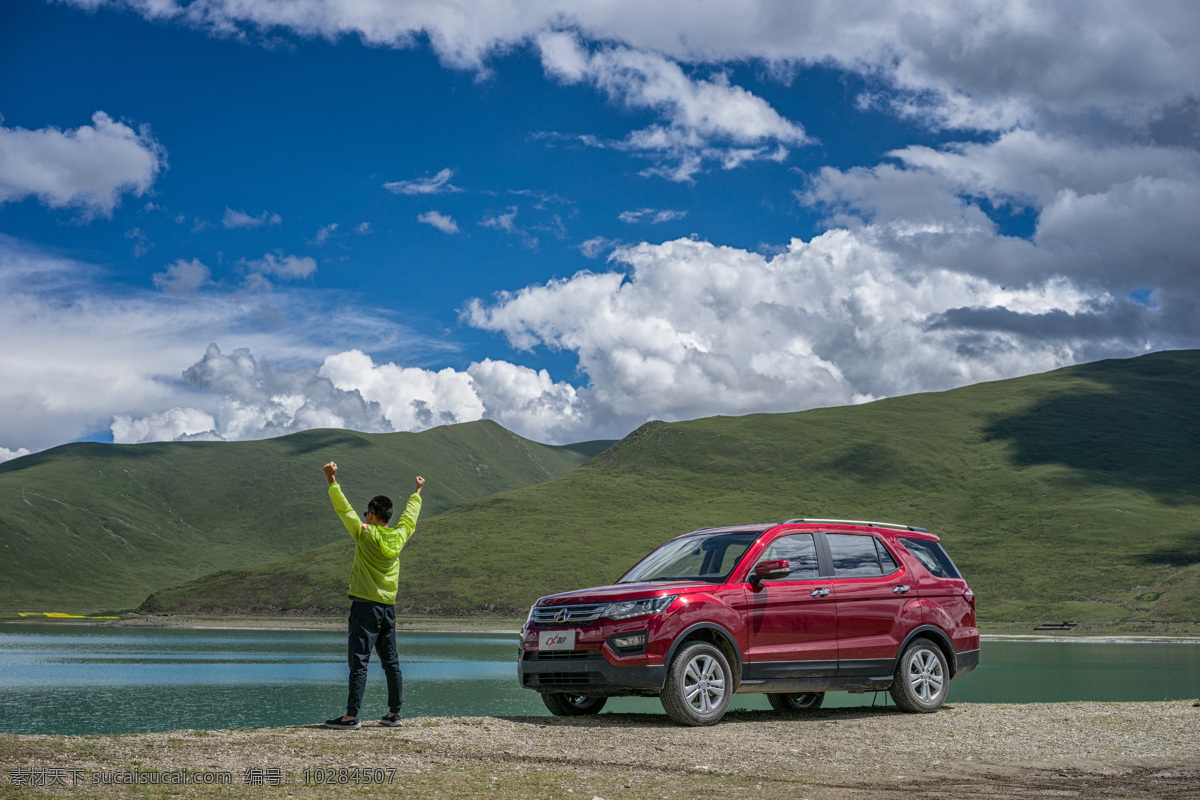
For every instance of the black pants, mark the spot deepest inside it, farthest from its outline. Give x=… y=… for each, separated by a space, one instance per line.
x=373 y=625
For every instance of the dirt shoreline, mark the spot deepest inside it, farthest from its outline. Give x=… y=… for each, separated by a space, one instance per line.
x=1092 y=750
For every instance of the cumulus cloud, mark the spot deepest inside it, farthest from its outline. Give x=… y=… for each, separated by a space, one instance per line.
x=442 y=222
x=174 y=424
x=129 y=349
x=438 y=184
x=255 y=400
x=9 y=455
x=523 y=400
x=696 y=329
x=1115 y=215
x=88 y=168
x=240 y=219
x=252 y=399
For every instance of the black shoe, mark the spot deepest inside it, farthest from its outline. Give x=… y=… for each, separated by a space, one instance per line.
x=337 y=723
x=390 y=720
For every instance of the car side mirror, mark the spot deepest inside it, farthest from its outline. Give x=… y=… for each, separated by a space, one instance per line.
x=770 y=571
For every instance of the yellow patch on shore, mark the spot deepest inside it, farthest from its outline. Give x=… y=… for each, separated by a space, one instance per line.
x=58 y=615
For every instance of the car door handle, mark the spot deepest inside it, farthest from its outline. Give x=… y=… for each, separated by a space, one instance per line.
x=900 y=590
x=818 y=593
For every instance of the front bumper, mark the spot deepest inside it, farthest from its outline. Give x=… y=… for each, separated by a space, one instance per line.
x=587 y=673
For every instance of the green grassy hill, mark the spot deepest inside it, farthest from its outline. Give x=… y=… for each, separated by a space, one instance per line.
x=1069 y=495
x=88 y=527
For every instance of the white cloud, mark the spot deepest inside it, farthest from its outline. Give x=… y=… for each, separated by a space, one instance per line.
x=529 y=401
x=507 y=222
x=651 y=215
x=705 y=116
x=363 y=229
x=697 y=330
x=183 y=278
x=597 y=245
x=442 y=222
x=281 y=266
x=165 y=426
x=973 y=63
x=1117 y=215
x=325 y=232
x=240 y=219
x=438 y=184
x=9 y=455
x=128 y=350
x=88 y=168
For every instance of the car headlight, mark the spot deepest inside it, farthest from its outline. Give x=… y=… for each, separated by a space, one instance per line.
x=629 y=609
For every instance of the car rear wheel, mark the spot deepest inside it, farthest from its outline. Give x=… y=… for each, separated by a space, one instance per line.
x=922 y=678
x=699 y=685
x=792 y=703
x=570 y=705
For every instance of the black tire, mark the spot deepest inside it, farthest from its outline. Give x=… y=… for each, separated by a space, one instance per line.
x=698 y=686
x=794 y=703
x=922 y=678
x=573 y=705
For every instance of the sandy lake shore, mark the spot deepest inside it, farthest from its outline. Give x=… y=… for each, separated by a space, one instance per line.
x=1085 y=750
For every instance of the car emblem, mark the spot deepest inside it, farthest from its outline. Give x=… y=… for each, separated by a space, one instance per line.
x=563 y=615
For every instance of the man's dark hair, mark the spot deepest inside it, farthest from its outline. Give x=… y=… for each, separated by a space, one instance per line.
x=381 y=507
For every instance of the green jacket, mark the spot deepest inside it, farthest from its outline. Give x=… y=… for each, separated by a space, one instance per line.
x=376 y=569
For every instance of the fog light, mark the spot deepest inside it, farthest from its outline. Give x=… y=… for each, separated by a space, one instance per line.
x=632 y=640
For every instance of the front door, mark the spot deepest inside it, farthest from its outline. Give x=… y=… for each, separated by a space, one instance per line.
x=792 y=620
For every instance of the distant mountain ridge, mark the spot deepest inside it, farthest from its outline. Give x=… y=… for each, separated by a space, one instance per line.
x=99 y=526
x=1073 y=494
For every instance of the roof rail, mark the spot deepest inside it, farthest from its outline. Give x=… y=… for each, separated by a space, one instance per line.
x=858 y=522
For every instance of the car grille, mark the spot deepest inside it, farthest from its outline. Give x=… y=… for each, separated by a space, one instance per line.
x=551 y=616
x=564 y=679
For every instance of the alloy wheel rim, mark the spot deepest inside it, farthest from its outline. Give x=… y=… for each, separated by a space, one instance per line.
x=925 y=676
x=704 y=684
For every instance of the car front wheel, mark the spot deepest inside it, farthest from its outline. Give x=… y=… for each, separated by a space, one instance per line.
x=792 y=703
x=569 y=705
x=699 y=685
x=922 y=678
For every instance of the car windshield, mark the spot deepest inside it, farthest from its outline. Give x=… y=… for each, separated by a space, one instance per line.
x=704 y=557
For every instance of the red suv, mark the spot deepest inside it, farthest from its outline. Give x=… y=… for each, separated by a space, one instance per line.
x=792 y=610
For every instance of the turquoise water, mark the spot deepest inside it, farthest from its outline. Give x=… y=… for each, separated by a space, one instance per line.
x=79 y=680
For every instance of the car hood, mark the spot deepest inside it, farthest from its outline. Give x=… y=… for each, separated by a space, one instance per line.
x=624 y=591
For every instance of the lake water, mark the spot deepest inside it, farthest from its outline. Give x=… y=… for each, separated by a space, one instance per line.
x=81 y=680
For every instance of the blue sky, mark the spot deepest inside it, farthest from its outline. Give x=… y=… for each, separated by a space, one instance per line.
x=229 y=220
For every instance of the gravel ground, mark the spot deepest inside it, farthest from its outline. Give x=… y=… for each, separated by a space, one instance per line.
x=1085 y=750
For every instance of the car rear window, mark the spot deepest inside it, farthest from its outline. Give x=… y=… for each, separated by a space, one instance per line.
x=932 y=557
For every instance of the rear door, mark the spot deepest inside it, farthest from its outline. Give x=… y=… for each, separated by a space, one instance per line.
x=870 y=589
x=792 y=622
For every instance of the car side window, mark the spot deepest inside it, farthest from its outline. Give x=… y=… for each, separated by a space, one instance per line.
x=886 y=562
x=854 y=555
x=932 y=557
x=799 y=551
